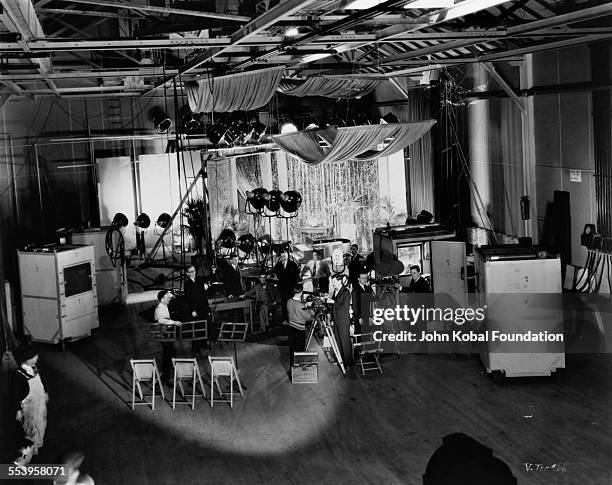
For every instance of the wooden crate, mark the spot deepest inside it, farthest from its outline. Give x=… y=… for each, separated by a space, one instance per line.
x=305 y=369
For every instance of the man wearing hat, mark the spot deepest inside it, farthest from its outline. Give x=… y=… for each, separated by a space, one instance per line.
x=29 y=397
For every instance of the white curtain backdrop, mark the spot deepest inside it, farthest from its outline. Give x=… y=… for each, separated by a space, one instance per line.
x=330 y=87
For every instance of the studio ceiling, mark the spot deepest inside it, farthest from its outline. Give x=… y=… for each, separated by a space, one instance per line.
x=132 y=48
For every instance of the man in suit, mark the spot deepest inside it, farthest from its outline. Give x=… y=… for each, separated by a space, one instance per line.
x=359 y=290
x=232 y=277
x=355 y=265
x=320 y=272
x=288 y=275
x=266 y=298
x=418 y=284
x=196 y=300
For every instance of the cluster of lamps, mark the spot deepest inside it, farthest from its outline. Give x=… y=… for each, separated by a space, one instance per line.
x=273 y=203
x=247 y=243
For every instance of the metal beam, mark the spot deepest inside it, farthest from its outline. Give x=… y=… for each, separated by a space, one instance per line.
x=163 y=10
x=51 y=12
x=510 y=91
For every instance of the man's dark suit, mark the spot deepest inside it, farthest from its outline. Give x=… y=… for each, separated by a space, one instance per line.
x=357 y=304
x=355 y=266
x=288 y=276
x=419 y=286
x=196 y=298
x=232 y=280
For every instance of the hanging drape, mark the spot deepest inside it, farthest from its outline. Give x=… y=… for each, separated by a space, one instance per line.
x=352 y=143
x=243 y=91
x=330 y=87
x=248 y=174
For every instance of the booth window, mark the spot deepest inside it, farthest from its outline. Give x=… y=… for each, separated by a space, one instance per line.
x=77 y=279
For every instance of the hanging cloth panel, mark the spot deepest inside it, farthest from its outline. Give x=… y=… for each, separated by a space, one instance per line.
x=330 y=87
x=405 y=136
x=234 y=92
x=306 y=145
x=352 y=143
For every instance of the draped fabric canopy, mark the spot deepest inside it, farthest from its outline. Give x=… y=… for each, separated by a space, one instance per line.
x=243 y=91
x=352 y=143
x=330 y=87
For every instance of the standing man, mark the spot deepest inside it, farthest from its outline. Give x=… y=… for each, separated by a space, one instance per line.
x=30 y=397
x=320 y=272
x=266 y=297
x=162 y=315
x=418 y=284
x=298 y=318
x=197 y=302
x=288 y=274
x=359 y=290
x=355 y=264
x=232 y=277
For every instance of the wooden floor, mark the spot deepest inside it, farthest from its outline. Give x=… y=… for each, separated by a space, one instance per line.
x=379 y=429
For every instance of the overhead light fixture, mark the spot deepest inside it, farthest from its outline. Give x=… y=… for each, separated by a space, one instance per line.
x=189 y=120
x=160 y=120
x=288 y=128
x=292 y=32
x=389 y=118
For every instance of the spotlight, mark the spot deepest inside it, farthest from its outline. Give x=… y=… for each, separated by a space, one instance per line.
x=389 y=118
x=273 y=200
x=143 y=221
x=160 y=120
x=290 y=201
x=120 y=220
x=227 y=239
x=257 y=199
x=257 y=131
x=292 y=32
x=163 y=220
x=264 y=243
x=288 y=128
x=189 y=120
x=281 y=247
x=246 y=243
x=312 y=126
x=361 y=119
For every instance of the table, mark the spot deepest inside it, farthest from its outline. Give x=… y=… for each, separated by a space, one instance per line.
x=223 y=304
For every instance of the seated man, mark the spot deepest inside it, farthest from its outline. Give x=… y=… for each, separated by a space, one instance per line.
x=299 y=316
x=266 y=297
x=162 y=315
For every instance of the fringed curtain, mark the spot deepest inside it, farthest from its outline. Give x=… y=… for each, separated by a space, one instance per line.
x=330 y=87
x=235 y=92
x=248 y=174
x=356 y=142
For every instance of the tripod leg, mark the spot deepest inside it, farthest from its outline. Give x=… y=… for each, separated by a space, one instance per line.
x=334 y=345
x=310 y=333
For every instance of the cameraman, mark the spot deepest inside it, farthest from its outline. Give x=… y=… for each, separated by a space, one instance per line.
x=298 y=317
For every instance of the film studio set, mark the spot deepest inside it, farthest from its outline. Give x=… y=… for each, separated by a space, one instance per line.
x=306 y=242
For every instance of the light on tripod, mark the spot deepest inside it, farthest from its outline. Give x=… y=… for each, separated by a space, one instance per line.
x=281 y=247
x=246 y=243
x=273 y=199
x=257 y=198
x=120 y=220
x=265 y=244
x=143 y=221
x=164 y=220
x=290 y=201
x=227 y=239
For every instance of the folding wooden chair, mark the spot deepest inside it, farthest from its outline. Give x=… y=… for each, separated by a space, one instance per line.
x=368 y=350
x=223 y=367
x=187 y=370
x=145 y=370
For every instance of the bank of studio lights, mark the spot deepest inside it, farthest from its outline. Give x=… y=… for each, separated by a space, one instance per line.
x=273 y=203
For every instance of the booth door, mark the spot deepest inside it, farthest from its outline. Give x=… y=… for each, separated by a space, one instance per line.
x=447 y=266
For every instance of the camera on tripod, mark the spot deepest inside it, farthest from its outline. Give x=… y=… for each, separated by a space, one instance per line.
x=385 y=284
x=319 y=303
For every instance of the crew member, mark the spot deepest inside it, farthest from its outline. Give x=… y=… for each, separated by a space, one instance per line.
x=288 y=274
x=356 y=264
x=162 y=315
x=29 y=397
x=359 y=290
x=197 y=302
x=298 y=317
x=418 y=284
x=266 y=297
x=320 y=272
x=231 y=276
x=342 y=321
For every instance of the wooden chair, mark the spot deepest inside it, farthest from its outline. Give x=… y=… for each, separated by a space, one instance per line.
x=223 y=367
x=187 y=370
x=368 y=351
x=145 y=370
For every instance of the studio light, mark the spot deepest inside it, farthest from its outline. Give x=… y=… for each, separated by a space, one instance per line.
x=292 y=32
x=143 y=221
x=257 y=199
x=164 y=220
x=227 y=239
x=246 y=243
x=290 y=201
x=281 y=247
x=160 y=120
x=288 y=128
x=361 y=119
x=265 y=244
x=189 y=120
x=120 y=220
x=389 y=118
x=273 y=199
